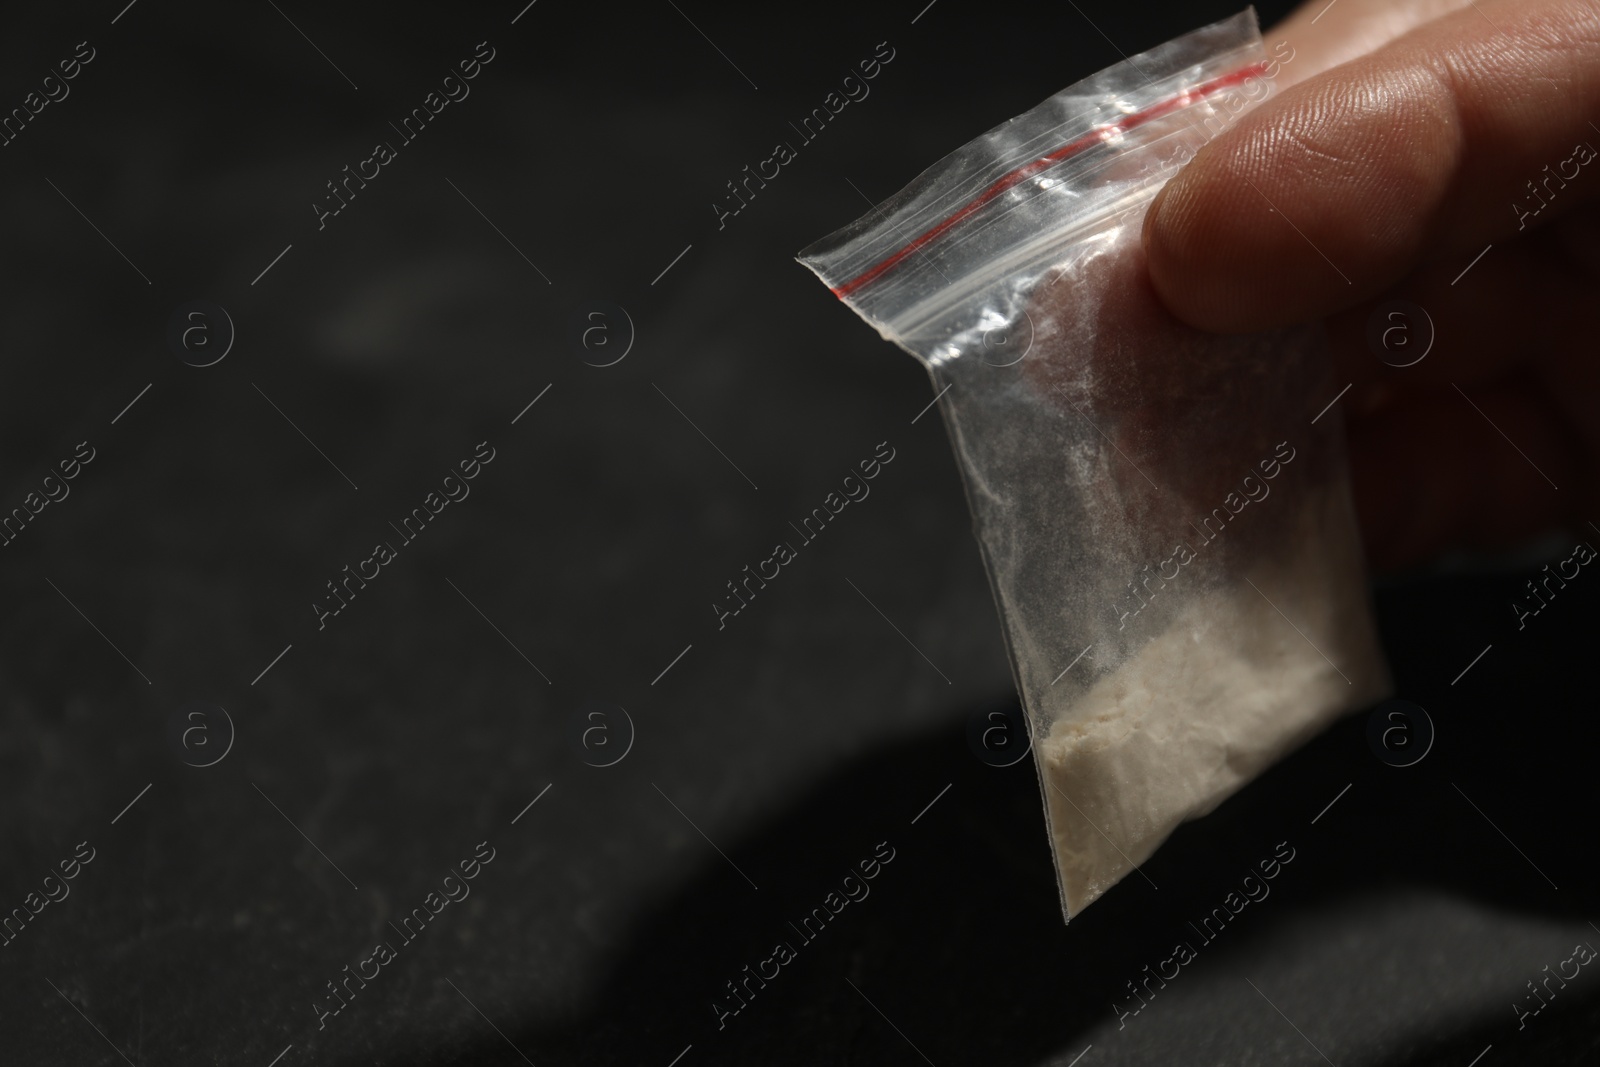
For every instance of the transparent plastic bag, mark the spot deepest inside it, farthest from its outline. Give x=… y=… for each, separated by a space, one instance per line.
x=1165 y=520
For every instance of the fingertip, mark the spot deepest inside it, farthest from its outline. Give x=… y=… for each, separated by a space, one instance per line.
x=1211 y=255
x=1181 y=259
x=1310 y=204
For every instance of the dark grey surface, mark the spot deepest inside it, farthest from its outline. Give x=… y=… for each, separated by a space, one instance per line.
x=797 y=739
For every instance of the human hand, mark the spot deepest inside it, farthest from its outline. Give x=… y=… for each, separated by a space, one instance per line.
x=1407 y=137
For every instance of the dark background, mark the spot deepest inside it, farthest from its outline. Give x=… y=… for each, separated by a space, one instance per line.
x=413 y=727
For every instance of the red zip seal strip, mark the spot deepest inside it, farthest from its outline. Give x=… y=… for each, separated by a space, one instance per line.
x=1096 y=136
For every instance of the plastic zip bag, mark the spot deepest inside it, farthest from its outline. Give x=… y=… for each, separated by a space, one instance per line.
x=1166 y=523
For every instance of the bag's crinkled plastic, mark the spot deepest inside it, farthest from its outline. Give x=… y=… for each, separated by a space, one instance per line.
x=1167 y=530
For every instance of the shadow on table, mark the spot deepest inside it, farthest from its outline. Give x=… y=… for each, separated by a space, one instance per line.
x=959 y=946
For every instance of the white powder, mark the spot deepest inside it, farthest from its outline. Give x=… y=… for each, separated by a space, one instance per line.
x=1227 y=688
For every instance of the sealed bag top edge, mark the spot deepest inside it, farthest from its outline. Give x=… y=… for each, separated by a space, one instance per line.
x=1099 y=135
x=922 y=229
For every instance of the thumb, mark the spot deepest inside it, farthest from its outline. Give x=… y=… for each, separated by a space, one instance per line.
x=1413 y=156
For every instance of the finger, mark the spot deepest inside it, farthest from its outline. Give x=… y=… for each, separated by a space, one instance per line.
x=1347 y=182
x=1520 y=316
x=1522 y=304
x=1322 y=34
x=1455 y=470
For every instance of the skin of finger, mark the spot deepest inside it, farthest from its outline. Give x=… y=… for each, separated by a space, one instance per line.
x=1521 y=324
x=1434 y=475
x=1323 y=35
x=1523 y=303
x=1337 y=189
